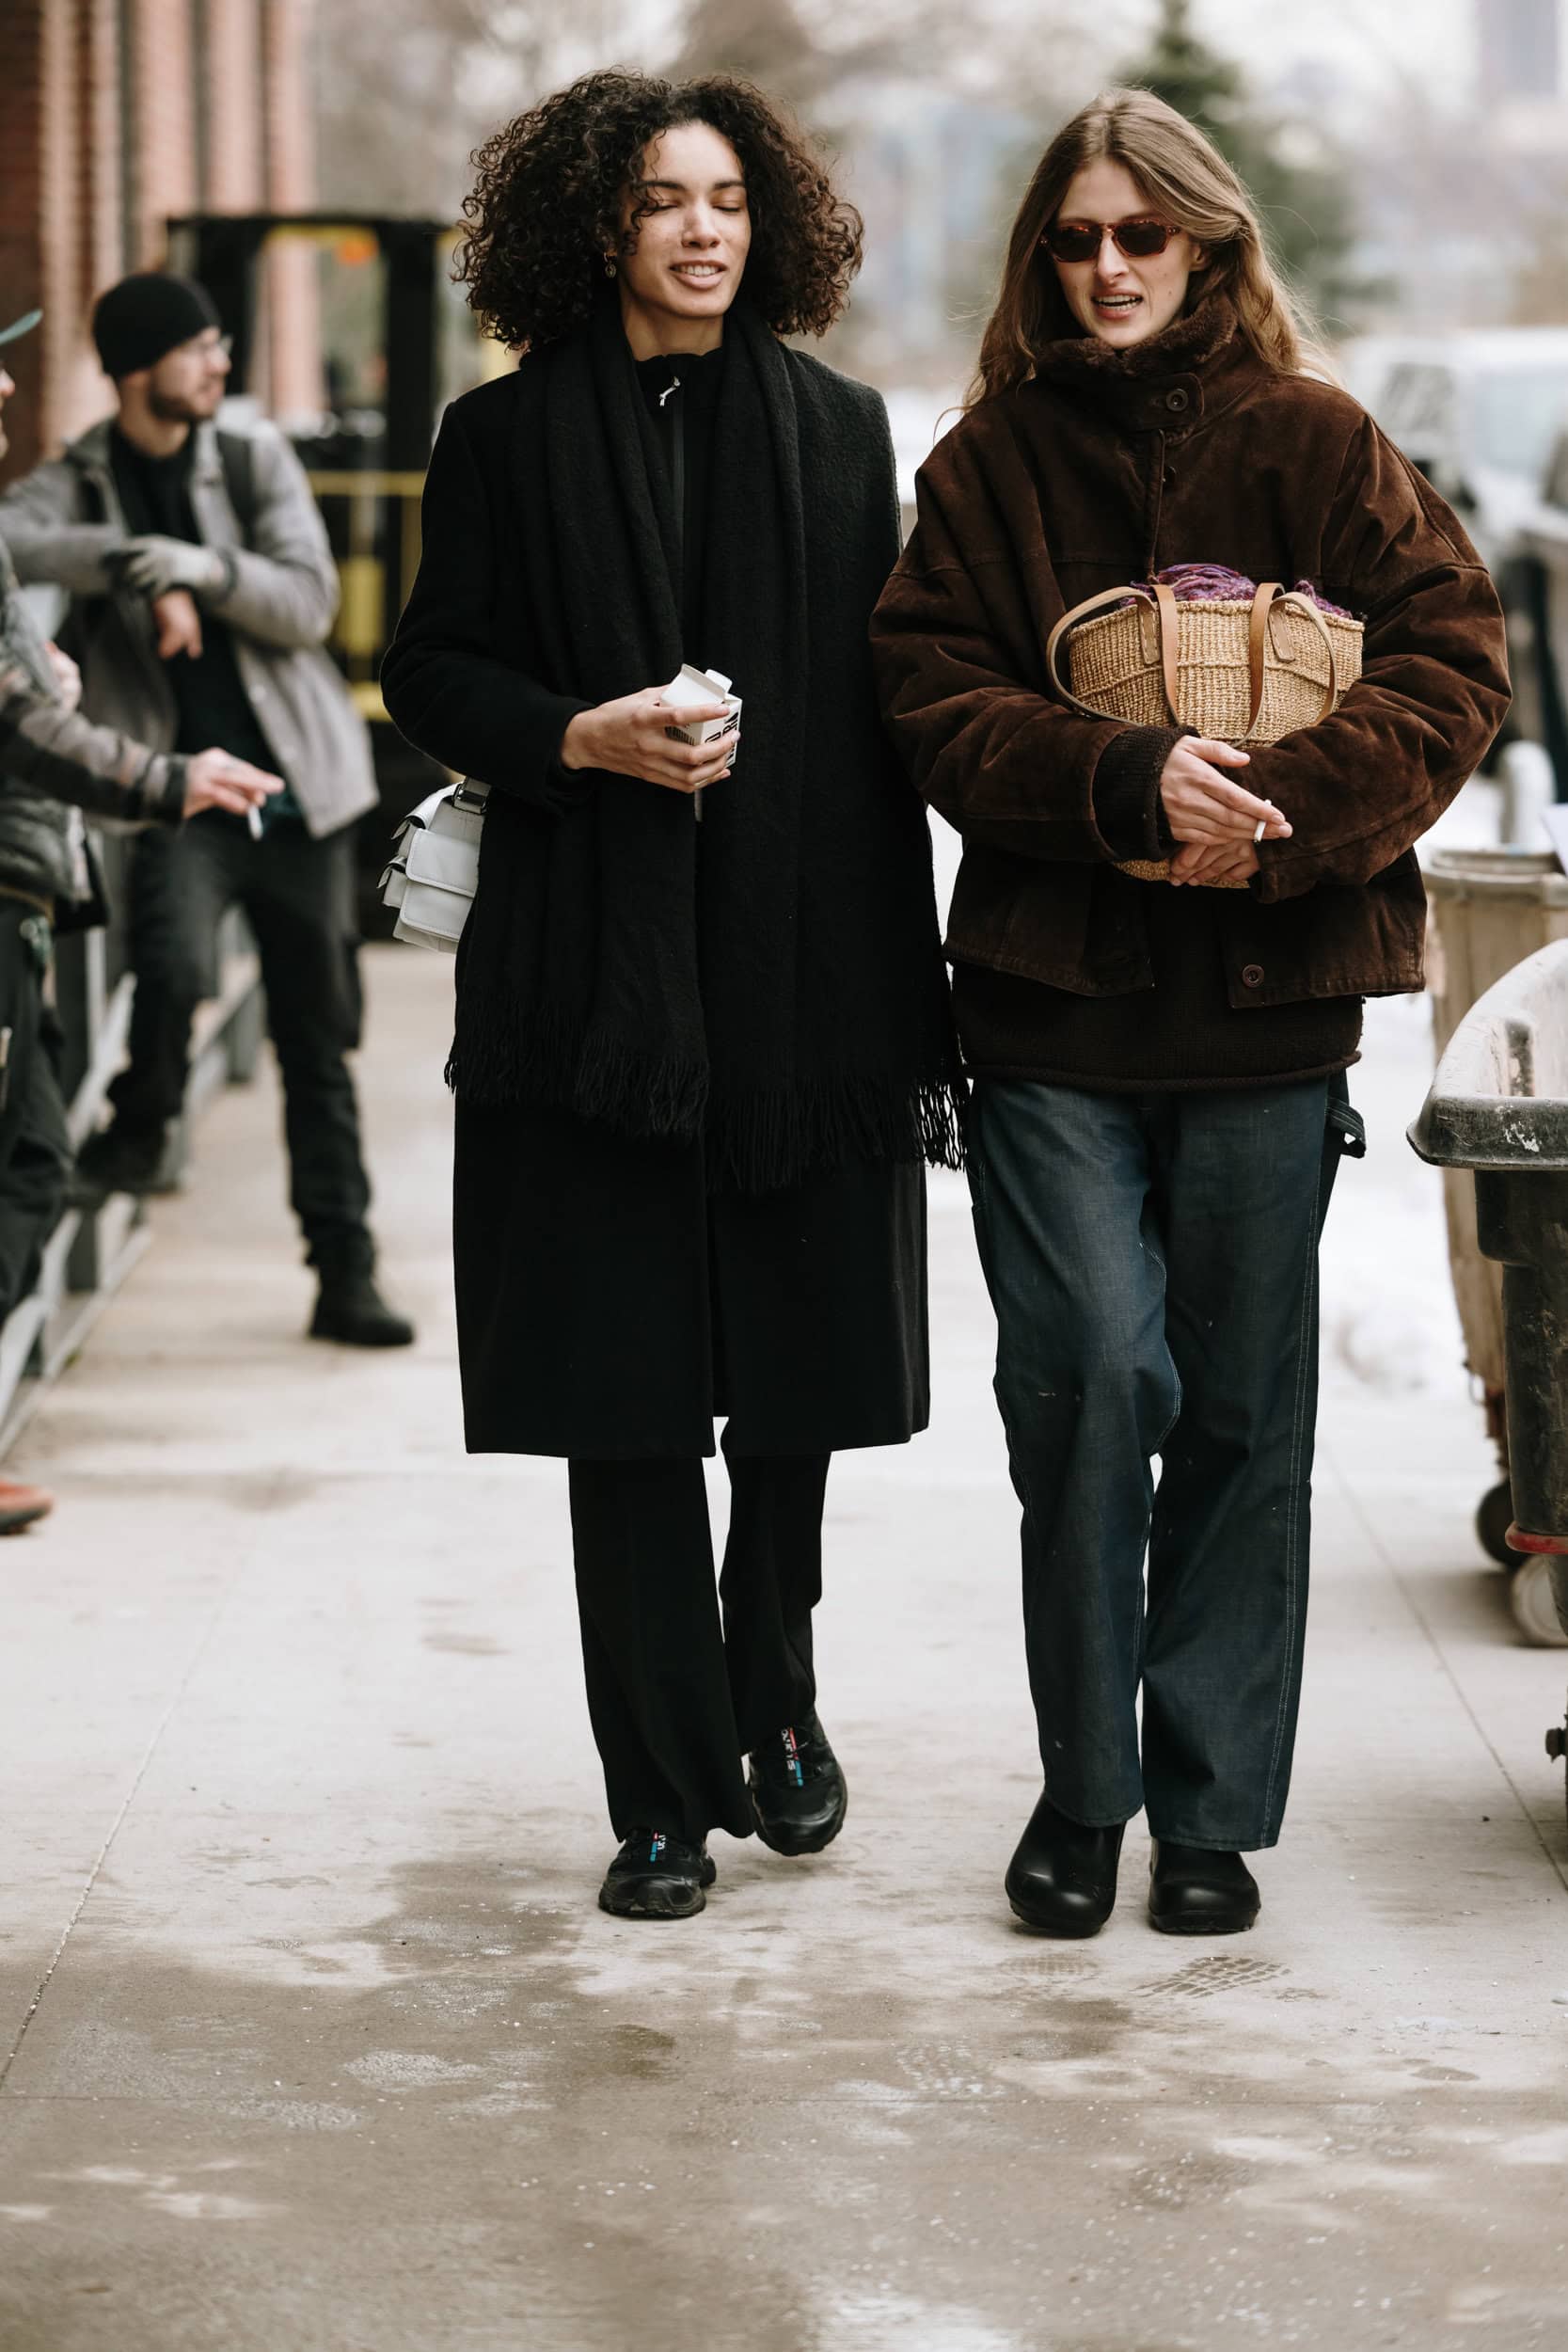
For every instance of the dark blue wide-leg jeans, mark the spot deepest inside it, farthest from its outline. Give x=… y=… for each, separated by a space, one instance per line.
x=1152 y=1262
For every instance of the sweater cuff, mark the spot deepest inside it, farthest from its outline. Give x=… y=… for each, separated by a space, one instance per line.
x=1128 y=810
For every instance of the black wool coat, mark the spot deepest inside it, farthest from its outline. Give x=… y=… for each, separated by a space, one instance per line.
x=611 y=1301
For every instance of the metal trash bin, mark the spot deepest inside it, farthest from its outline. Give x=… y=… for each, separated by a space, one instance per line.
x=1499 y=1109
x=1489 y=908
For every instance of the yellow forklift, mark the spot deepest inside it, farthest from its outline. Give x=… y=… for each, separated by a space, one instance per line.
x=349 y=333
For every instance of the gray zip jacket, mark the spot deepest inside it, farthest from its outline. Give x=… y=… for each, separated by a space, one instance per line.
x=53 y=764
x=64 y=519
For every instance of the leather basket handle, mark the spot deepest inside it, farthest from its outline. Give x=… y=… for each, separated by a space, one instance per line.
x=1167 y=625
x=1107 y=597
x=1271 y=596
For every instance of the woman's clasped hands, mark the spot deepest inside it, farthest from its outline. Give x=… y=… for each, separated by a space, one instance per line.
x=1213 y=821
x=630 y=737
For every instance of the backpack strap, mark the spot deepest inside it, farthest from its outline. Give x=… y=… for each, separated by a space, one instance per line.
x=237 y=455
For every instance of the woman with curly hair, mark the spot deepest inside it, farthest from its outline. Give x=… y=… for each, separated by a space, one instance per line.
x=1161 y=947
x=702 y=1043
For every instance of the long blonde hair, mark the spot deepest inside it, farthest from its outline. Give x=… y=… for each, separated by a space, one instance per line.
x=1187 y=179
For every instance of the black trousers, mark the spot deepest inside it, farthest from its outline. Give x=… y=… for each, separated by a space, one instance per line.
x=298 y=895
x=35 y=1147
x=681 y=1682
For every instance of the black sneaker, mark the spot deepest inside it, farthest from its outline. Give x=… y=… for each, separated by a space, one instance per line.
x=798 y=1791
x=657 y=1877
x=352 y=1310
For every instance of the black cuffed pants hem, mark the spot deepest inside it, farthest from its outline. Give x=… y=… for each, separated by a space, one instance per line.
x=684 y=1680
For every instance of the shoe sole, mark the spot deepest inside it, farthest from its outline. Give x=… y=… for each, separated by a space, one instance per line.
x=656 y=1900
x=12 y=1522
x=1231 y=1926
x=794 y=1848
x=349 y=1339
x=1072 y=1931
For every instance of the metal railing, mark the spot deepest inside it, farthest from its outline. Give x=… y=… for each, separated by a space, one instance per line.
x=94 y=1249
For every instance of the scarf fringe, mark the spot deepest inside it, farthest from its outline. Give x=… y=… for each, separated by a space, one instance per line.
x=758 y=1142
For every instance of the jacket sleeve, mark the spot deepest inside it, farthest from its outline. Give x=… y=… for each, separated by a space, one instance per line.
x=445 y=686
x=958 y=639
x=57 y=751
x=283 y=583
x=47 y=544
x=1362 y=785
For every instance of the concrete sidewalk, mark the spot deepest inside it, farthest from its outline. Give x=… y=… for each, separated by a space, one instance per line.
x=312 y=2036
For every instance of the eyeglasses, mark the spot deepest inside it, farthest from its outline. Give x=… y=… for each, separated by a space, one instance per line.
x=1081 y=240
x=198 y=348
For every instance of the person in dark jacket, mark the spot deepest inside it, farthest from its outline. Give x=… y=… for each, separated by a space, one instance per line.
x=703 y=1043
x=1156 y=1062
x=202 y=590
x=54 y=767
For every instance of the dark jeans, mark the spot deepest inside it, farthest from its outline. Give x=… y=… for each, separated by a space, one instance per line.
x=676 y=1697
x=35 y=1147
x=298 y=895
x=1152 y=1262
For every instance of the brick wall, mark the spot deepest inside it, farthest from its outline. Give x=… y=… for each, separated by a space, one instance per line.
x=207 y=109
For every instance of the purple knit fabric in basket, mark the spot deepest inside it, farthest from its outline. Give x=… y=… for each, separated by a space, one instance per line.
x=1210 y=583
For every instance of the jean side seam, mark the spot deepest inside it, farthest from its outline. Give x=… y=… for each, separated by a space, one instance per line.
x=1293 y=1631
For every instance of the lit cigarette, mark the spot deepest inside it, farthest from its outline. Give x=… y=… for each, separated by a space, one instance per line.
x=1263 y=821
x=253 y=818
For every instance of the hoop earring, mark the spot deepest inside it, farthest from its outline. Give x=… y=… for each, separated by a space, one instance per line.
x=609 y=264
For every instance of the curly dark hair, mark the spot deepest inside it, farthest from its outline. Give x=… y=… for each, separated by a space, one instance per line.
x=547 y=205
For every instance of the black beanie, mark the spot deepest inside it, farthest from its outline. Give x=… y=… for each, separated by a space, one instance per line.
x=136 y=322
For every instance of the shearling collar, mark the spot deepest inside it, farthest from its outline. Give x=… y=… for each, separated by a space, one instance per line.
x=1196 y=366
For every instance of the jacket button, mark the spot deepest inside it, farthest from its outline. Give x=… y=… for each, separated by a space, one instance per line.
x=1175 y=400
x=1252 y=975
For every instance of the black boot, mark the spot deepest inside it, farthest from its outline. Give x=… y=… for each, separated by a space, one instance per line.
x=120 y=1160
x=798 y=1791
x=1196 y=1891
x=1063 y=1878
x=350 y=1309
x=656 y=1877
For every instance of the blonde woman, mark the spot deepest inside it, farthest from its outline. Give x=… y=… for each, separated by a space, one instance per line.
x=1159 y=1098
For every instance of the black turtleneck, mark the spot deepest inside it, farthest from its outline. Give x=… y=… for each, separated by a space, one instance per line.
x=680 y=390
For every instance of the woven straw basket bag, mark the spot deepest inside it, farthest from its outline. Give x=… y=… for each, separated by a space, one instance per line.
x=1244 y=672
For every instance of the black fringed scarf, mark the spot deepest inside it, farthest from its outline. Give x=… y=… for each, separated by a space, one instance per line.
x=770 y=980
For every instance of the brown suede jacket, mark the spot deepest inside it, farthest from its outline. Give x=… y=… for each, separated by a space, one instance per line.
x=1103 y=468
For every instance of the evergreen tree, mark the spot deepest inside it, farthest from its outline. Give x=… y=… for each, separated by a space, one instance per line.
x=1293 y=174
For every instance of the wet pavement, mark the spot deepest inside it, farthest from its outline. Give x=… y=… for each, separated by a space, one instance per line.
x=312 y=2037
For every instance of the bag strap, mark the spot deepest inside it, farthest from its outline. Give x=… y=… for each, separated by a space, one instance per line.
x=1168 y=623
x=1070 y=620
x=1271 y=596
x=237 y=457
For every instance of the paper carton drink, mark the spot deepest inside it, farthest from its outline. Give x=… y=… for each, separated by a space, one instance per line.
x=690 y=687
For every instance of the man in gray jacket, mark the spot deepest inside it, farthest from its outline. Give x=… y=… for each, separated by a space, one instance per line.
x=202 y=589
x=54 y=764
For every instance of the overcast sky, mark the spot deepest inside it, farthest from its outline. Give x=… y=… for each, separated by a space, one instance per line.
x=1378 y=44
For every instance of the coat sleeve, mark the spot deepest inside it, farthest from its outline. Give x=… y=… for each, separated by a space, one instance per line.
x=48 y=544
x=56 y=752
x=959 y=643
x=283 y=585
x=1362 y=785
x=445 y=686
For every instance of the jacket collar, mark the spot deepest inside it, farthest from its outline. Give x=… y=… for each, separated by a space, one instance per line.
x=1198 y=367
x=93 y=453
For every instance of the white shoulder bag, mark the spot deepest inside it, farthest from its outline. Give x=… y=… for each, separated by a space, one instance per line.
x=431 y=881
